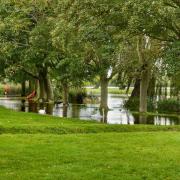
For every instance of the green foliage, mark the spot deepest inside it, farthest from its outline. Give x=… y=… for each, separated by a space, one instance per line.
x=168 y=105
x=76 y=41
x=158 y=19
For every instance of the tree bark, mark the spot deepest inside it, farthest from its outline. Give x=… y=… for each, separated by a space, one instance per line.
x=151 y=89
x=65 y=94
x=145 y=73
x=160 y=91
x=65 y=109
x=143 y=91
x=165 y=90
x=48 y=88
x=104 y=93
x=46 y=91
x=128 y=86
x=31 y=85
x=136 y=90
x=23 y=89
x=42 y=94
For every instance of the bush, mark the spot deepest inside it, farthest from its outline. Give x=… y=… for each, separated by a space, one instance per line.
x=168 y=105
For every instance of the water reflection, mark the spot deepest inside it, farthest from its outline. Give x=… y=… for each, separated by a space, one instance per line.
x=116 y=115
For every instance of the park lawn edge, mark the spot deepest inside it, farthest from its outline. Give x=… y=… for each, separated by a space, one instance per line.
x=46 y=124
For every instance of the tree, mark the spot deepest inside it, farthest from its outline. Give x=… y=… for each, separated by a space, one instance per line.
x=25 y=40
x=155 y=20
x=96 y=37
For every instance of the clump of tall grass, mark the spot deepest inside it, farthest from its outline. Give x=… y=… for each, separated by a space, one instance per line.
x=13 y=89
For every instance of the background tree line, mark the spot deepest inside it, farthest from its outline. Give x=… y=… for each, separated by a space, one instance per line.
x=69 y=42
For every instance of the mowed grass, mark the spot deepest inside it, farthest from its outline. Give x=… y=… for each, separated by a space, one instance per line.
x=43 y=147
x=91 y=156
x=30 y=123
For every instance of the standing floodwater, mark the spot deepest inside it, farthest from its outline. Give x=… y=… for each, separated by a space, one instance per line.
x=116 y=115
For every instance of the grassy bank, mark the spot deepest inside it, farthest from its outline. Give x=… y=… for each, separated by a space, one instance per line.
x=94 y=156
x=19 y=122
x=43 y=147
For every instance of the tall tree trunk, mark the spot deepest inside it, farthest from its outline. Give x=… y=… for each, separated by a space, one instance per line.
x=31 y=85
x=46 y=91
x=151 y=89
x=143 y=91
x=23 y=89
x=136 y=90
x=156 y=91
x=134 y=98
x=145 y=72
x=42 y=94
x=160 y=91
x=65 y=94
x=65 y=109
x=104 y=93
x=48 y=88
x=165 y=90
x=128 y=85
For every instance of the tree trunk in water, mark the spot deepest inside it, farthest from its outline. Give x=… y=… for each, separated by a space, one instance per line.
x=143 y=91
x=23 y=89
x=143 y=44
x=133 y=101
x=104 y=94
x=42 y=94
x=151 y=89
x=31 y=86
x=48 y=88
x=165 y=90
x=128 y=86
x=65 y=94
x=46 y=91
x=65 y=109
x=171 y=90
x=160 y=91
x=136 y=90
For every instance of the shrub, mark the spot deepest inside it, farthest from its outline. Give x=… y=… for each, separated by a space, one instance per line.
x=168 y=105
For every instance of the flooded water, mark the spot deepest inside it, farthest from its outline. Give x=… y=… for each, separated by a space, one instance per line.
x=117 y=114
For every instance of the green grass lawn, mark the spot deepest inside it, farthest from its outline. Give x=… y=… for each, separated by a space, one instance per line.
x=42 y=147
